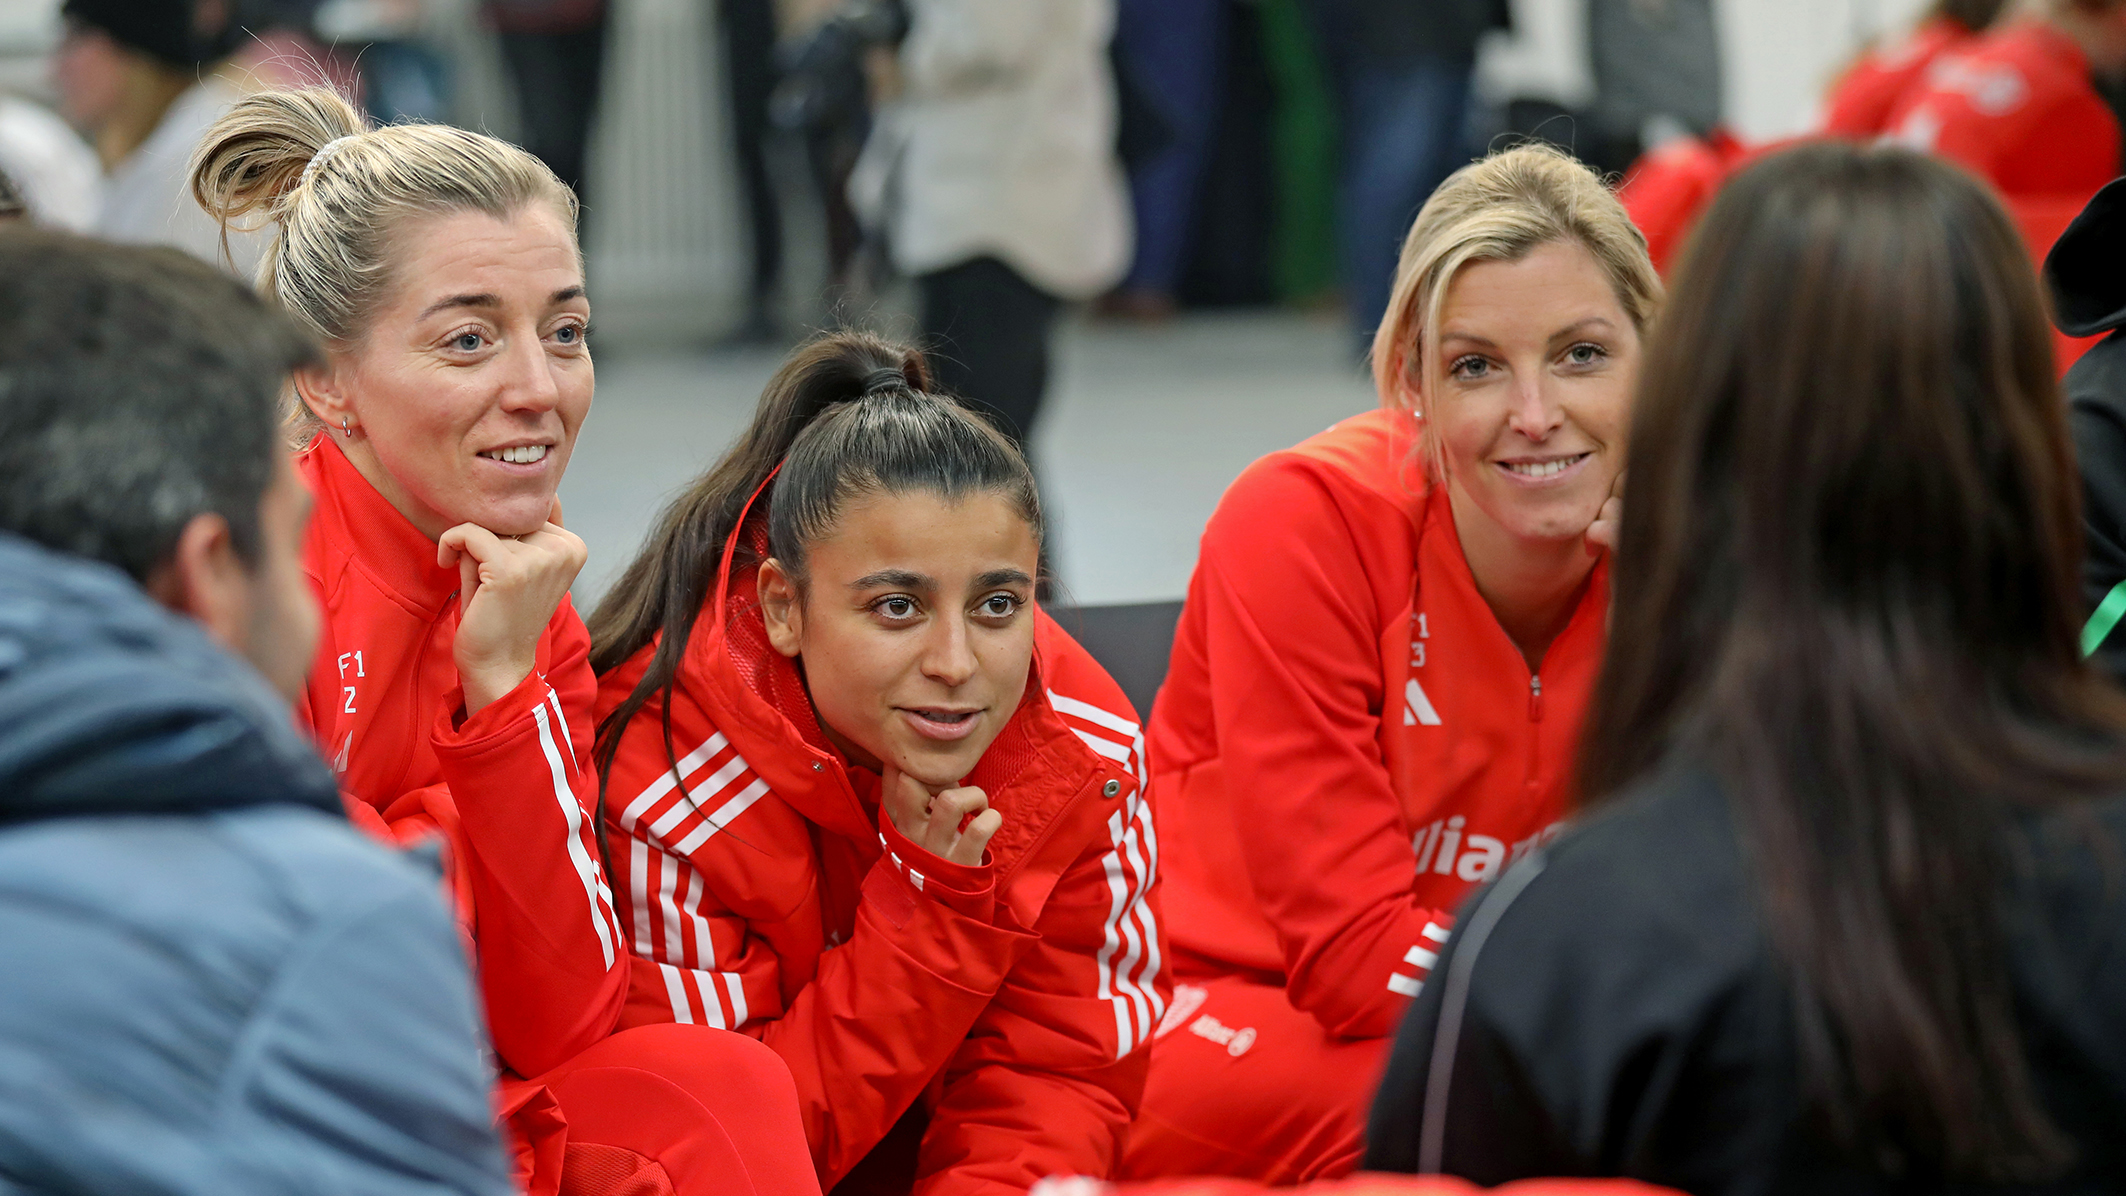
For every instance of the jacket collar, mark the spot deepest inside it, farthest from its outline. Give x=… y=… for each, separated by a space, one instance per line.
x=364 y=526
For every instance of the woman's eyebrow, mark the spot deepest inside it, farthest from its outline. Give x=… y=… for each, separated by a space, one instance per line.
x=1002 y=577
x=1584 y=324
x=904 y=579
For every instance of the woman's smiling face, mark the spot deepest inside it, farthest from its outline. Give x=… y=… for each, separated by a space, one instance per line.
x=466 y=392
x=1537 y=364
x=915 y=628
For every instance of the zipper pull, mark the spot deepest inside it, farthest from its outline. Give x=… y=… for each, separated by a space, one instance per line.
x=1535 y=698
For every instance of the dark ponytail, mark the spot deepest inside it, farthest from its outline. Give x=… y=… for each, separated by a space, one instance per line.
x=847 y=414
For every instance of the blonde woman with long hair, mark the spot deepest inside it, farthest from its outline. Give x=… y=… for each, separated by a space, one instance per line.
x=1382 y=665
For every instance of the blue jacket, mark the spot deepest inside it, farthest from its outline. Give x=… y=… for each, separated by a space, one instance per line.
x=209 y=982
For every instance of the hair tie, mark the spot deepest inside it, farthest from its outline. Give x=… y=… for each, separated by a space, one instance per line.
x=324 y=152
x=881 y=381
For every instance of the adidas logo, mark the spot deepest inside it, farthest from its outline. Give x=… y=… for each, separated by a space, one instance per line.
x=1417 y=708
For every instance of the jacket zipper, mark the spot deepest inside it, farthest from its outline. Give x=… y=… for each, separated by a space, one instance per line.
x=1535 y=698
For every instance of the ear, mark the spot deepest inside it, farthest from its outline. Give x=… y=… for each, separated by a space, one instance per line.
x=205 y=579
x=782 y=608
x=321 y=390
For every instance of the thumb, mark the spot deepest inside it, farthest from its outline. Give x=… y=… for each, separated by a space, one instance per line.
x=553 y=516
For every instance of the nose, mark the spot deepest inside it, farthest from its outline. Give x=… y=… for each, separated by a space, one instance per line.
x=1534 y=413
x=948 y=655
x=528 y=383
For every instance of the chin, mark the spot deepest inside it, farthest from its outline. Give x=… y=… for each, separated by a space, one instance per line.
x=516 y=517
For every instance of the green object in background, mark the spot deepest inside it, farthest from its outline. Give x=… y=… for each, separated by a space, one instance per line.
x=2108 y=613
x=1303 y=156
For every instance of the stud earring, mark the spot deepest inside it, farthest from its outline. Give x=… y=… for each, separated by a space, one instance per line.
x=346 y=429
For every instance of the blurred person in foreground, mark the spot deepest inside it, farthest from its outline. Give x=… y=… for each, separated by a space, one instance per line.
x=2089 y=299
x=1381 y=667
x=139 y=79
x=451 y=687
x=1844 y=910
x=210 y=983
x=993 y=179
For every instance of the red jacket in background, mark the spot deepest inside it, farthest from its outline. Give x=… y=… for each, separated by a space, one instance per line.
x=505 y=788
x=2017 y=108
x=1348 y=742
x=1861 y=103
x=1010 y=1003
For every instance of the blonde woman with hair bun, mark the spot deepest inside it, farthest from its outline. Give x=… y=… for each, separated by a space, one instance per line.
x=1382 y=666
x=452 y=689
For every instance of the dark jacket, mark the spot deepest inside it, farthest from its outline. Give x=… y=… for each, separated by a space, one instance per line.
x=209 y=981
x=1625 y=1014
x=2086 y=272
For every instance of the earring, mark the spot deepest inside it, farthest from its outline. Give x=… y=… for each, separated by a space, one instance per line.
x=346 y=429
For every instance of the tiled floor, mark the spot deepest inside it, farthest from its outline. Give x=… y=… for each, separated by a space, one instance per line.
x=1144 y=429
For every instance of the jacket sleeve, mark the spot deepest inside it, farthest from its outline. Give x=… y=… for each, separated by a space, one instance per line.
x=1053 y=1071
x=551 y=953
x=884 y=1011
x=1292 y=639
x=367 y=1058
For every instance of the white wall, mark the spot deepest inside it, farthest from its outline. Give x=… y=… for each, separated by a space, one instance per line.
x=1778 y=55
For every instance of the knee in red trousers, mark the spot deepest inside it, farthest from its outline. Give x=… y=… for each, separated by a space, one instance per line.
x=681 y=1109
x=1244 y=1085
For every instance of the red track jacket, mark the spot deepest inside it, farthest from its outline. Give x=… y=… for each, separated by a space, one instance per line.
x=504 y=787
x=2017 y=108
x=1348 y=742
x=1013 y=1001
x=1861 y=103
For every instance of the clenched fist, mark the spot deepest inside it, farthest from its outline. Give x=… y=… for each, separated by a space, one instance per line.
x=508 y=593
x=952 y=824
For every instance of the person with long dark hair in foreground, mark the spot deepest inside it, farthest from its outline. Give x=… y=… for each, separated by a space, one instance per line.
x=1847 y=910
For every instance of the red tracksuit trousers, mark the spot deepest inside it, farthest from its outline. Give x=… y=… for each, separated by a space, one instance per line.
x=680 y=1110
x=1244 y=1085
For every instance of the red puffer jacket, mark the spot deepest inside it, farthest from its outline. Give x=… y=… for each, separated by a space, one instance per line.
x=504 y=787
x=1009 y=1004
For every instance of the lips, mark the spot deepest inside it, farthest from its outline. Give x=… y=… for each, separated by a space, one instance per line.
x=933 y=722
x=1543 y=470
x=518 y=454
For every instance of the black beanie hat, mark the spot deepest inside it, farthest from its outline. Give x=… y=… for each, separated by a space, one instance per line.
x=165 y=30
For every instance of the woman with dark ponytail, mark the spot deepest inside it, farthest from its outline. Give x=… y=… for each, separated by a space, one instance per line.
x=868 y=803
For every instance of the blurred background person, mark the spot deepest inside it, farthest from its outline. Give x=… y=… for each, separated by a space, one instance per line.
x=991 y=175
x=1381 y=668
x=210 y=984
x=56 y=175
x=1860 y=104
x=2020 y=106
x=555 y=52
x=748 y=38
x=1174 y=52
x=138 y=79
x=1843 y=911
x=1401 y=74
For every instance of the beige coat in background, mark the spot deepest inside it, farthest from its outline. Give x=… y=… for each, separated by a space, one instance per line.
x=1001 y=143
